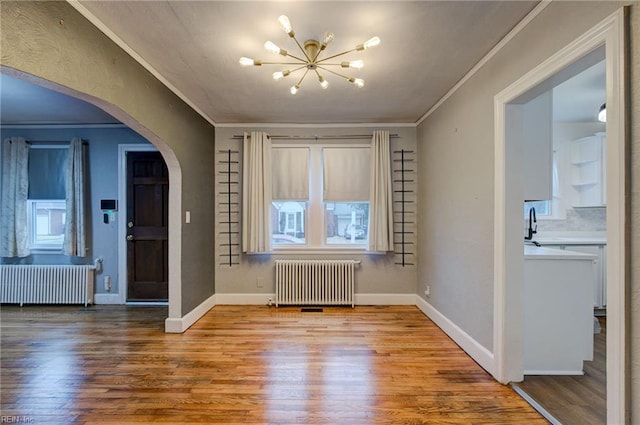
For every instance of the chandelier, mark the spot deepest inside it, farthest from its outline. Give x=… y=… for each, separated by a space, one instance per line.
x=311 y=62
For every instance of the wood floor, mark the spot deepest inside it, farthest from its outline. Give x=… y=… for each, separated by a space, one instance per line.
x=575 y=399
x=244 y=365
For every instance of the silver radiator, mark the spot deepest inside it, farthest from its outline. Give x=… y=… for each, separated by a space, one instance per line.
x=315 y=282
x=46 y=284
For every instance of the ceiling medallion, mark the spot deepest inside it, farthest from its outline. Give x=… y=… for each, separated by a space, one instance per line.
x=312 y=50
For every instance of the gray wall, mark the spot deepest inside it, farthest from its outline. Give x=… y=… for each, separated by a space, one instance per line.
x=377 y=274
x=456 y=153
x=102 y=184
x=56 y=45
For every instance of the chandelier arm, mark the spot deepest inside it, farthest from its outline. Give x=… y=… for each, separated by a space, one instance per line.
x=336 y=55
x=297 y=69
x=295 y=57
x=302 y=78
x=283 y=63
x=301 y=49
x=335 y=73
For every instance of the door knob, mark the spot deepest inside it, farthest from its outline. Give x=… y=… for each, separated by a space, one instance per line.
x=129 y=237
x=130 y=224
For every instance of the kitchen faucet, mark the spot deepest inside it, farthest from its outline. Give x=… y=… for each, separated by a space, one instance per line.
x=532 y=220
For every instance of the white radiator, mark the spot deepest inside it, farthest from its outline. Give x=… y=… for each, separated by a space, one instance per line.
x=315 y=282
x=46 y=284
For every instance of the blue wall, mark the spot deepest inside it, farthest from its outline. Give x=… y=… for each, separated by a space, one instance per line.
x=103 y=184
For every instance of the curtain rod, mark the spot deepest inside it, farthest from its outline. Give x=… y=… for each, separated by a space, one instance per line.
x=44 y=143
x=343 y=136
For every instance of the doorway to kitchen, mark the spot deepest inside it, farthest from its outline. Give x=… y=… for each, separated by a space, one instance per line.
x=606 y=40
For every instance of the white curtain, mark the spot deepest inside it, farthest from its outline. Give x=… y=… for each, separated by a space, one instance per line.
x=256 y=192
x=346 y=174
x=381 y=207
x=15 y=189
x=290 y=181
x=74 y=230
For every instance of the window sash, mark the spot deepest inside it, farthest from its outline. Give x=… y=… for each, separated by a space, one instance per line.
x=46 y=241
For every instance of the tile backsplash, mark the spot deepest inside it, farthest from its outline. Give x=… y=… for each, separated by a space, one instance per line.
x=578 y=220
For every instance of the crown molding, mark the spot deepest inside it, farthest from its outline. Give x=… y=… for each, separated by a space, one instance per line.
x=293 y=125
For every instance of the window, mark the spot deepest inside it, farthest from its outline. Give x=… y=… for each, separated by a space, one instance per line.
x=46 y=223
x=46 y=204
x=332 y=210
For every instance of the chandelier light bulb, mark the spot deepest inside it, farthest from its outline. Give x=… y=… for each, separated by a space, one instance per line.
x=359 y=82
x=285 y=24
x=372 y=42
x=323 y=83
x=328 y=38
x=244 y=61
x=359 y=64
x=270 y=46
x=280 y=74
x=294 y=89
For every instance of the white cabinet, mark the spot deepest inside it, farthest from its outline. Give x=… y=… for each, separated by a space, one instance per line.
x=588 y=171
x=600 y=269
x=558 y=316
x=537 y=136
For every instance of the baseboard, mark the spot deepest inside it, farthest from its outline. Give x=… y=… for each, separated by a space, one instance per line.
x=360 y=299
x=474 y=349
x=172 y=325
x=554 y=372
x=244 y=299
x=385 y=299
x=106 y=299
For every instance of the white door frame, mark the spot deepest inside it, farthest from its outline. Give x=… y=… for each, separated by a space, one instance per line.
x=507 y=328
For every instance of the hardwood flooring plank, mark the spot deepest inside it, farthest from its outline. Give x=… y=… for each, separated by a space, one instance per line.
x=244 y=365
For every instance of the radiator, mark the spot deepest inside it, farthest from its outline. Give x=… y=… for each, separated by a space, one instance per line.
x=46 y=284
x=315 y=282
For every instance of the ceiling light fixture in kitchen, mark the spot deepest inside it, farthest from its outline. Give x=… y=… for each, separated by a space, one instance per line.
x=311 y=62
x=602 y=113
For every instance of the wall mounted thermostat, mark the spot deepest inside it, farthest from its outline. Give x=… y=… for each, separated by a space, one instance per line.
x=108 y=207
x=109 y=204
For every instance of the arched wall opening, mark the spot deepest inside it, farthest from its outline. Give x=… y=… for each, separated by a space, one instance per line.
x=175 y=178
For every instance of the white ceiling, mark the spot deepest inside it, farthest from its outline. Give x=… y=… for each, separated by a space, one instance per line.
x=427 y=46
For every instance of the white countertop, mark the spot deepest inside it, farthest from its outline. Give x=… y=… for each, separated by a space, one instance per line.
x=532 y=252
x=571 y=238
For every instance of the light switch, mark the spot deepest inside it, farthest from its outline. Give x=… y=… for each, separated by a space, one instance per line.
x=187 y=217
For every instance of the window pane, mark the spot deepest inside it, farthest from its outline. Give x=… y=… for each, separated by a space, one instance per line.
x=347 y=222
x=47 y=224
x=288 y=222
x=542 y=207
